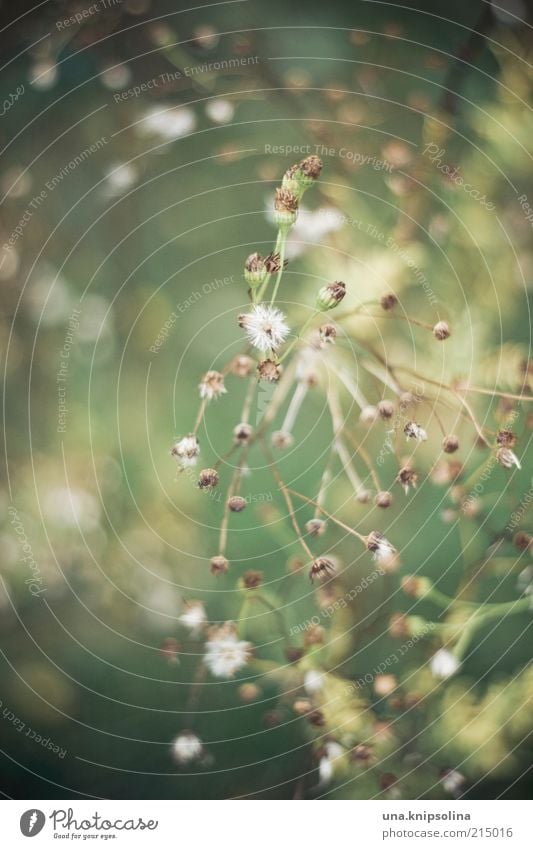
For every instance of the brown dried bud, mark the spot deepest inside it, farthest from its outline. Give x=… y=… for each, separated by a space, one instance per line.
x=252 y=579
x=362 y=753
x=294 y=654
x=388 y=301
x=316 y=718
x=219 y=565
x=331 y=295
x=407 y=477
x=273 y=263
x=282 y=439
x=522 y=540
x=387 y=780
x=285 y=201
x=450 y=444
x=242 y=433
x=441 y=331
x=311 y=167
x=208 y=478
x=255 y=270
x=301 y=706
x=507 y=438
x=315 y=527
x=399 y=626
x=386 y=409
x=328 y=334
x=269 y=370
x=383 y=499
x=321 y=568
x=236 y=503
x=242 y=366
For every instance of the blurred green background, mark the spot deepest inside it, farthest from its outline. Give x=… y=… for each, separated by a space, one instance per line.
x=157 y=220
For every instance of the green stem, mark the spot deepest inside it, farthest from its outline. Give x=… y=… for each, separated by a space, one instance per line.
x=283 y=242
x=263 y=288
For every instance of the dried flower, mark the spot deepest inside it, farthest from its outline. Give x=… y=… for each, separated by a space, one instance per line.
x=413 y=430
x=225 y=653
x=208 y=478
x=311 y=168
x=407 y=477
x=193 y=617
x=186 y=747
x=269 y=370
x=388 y=301
x=252 y=579
x=321 y=568
x=265 y=327
x=450 y=444
x=212 y=385
x=285 y=208
x=386 y=409
x=282 y=439
x=507 y=458
x=441 y=331
x=186 y=450
x=315 y=527
x=444 y=664
x=242 y=366
x=255 y=270
x=242 y=433
x=330 y=296
x=380 y=547
x=236 y=503
x=328 y=334
x=218 y=565
x=273 y=263
x=383 y=499
x=506 y=438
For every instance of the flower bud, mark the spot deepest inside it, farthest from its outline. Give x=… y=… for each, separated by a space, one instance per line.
x=383 y=499
x=331 y=295
x=208 y=478
x=282 y=439
x=388 y=301
x=386 y=409
x=450 y=444
x=321 y=568
x=242 y=433
x=285 y=208
x=269 y=370
x=218 y=565
x=328 y=334
x=415 y=586
x=315 y=527
x=255 y=270
x=236 y=503
x=252 y=579
x=441 y=331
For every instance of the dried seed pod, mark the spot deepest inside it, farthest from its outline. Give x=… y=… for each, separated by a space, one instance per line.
x=441 y=331
x=208 y=478
x=236 y=503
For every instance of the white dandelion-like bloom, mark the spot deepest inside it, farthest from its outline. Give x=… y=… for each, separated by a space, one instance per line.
x=332 y=751
x=413 y=430
x=186 y=747
x=212 y=385
x=225 y=653
x=452 y=781
x=444 y=664
x=265 y=327
x=313 y=682
x=186 y=450
x=193 y=617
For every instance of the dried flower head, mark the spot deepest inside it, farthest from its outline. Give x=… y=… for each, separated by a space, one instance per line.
x=212 y=385
x=311 y=167
x=225 y=654
x=193 y=617
x=383 y=499
x=506 y=438
x=265 y=327
x=507 y=458
x=315 y=527
x=273 y=263
x=386 y=409
x=388 y=301
x=330 y=296
x=236 y=503
x=285 y=208
x=269 y=370
x=186 y=450
x=242 y=366
x=321 y=569
x=523 y=541
x=208 y=478
x=408 y=478
x=252 y=579
x=282 y=439
x=441 y=331
x=218 y=565
x=380 y=547
x=450 y=444
x=413 y=430
x=242 y=433
x=255 y=270
x=328 y=334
